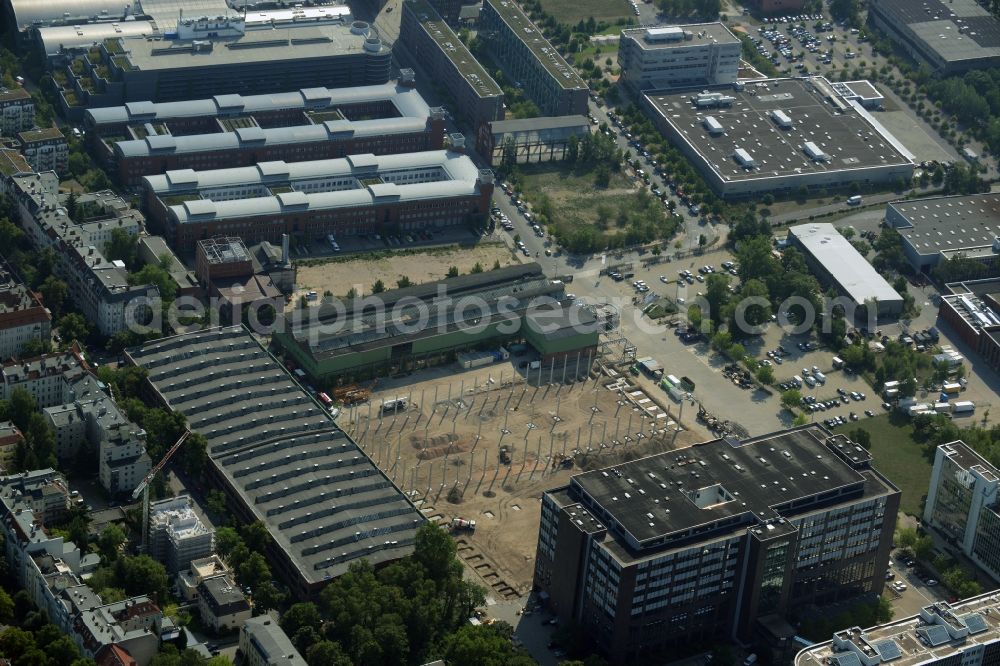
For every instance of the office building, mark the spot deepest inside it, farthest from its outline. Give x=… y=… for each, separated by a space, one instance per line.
x=263 y=643
x=950 y=37
x=532 y=139
x=779 y=136
x=437 y=50
x=519 y=304
x=222 y=605
x=962 y=504
x=938 y=228
x=23 y=318
x=528 y=59
x=678 y=56
x=17 y=111
x=144 y=138
x=963 y=632
x=98 y=286
x=836 y=263
x=177 y=536
x=236 y=61
x=257 y=419
x=697 y=544
x=972 y=307
x=360 y=194
x=45 y=149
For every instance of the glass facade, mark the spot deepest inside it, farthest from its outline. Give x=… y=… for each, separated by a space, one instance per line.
x=954 y=497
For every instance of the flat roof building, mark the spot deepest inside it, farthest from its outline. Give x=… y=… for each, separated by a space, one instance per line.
x=264 y=643
x=535 y=139
x=45 y=149
x=279 y=457
x=962 y=504
x=966 y=632
x=939 y=228
x=972 y=308
x=439 y=52
x=248 y=63
x=836 y=263
x=176 y=534
x=514 y=303
x=359 y=194
x=17 y=111
x=772 y=121
x=951 y=37
x=232 y=130
x=698 y=543
x=657 y=58
x=527 y=58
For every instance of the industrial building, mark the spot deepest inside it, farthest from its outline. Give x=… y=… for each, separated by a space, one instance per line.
x=779 y=136
x=234 y=277
x=951 y=37
x=939 y=228
x=711 y=541
x=972 y=308
x=176 y=534
x=962 y=504
x=279 y=457
x=145 y=138
x=966 y=632
x=23 y=318
x=360 y=194
x=527 y=58
x=836 y=263
x=533 y=140
x=422 y=325
x=438 y=51
x=678 y=56
x=234 y=61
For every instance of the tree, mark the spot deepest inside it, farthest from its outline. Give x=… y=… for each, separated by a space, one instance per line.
x=155 y=275
x=254 y=571
x=111 y=539
x=791 y=398
x=861 y=437
x=378 y=287
x=327 y=653
x=62 y=651
x=72 y=326
x=452 y=271
x=123 y=246
x=477 y=268
x=226 y=540
x=54 y=293
x=301 y=615
x=403 y=282
x=435 y=549
x=6 y=607
x=142 y=575
x=765 y=374
x=195 y=455
x=216 y=503
x=256 y=536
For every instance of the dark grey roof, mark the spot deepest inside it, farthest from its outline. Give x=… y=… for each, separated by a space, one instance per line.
x=538 y=124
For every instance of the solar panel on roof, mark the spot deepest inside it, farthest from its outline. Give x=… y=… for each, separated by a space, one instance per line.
x=846 y=659
x=935 y=635
x=888 y=650
x=975 y=622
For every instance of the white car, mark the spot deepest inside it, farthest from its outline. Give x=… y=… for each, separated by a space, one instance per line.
x=664 y=279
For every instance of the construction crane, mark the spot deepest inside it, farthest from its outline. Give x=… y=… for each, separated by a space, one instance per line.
x=143 y=487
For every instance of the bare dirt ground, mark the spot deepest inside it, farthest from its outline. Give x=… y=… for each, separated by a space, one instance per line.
x=445 y=451
x=338 y=277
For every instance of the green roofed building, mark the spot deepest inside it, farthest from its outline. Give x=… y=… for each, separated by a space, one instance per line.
x=424 y=325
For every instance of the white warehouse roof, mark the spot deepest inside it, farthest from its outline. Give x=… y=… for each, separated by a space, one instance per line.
x=844 y=264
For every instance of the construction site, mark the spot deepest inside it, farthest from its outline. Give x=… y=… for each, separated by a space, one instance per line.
x=475 y=449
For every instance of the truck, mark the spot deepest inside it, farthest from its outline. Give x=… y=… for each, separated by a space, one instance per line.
x=838 y=362
x=325 y=399
x=687 y=384
x=951 y=388
x=797 y=381
x=461 y=524
x=394 y=405
x=890 y=393
x=963 y=407
x=891 y=385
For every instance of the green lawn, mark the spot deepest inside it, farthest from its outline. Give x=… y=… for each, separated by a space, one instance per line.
x=898 y=457
x=571 y=11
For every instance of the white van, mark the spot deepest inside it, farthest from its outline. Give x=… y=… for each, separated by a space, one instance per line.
x=854 y=201
x=751 y=660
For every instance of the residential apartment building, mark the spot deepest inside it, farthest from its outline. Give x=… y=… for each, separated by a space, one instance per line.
x=177 y=536
x=10 y=439
x=439 y=52
x=97 y=285
x=962 y=504
x=199 y=570
x=123 y=461
x=678 y=56
x=528 y=59
x=360 y=194
x=963 y=632
x=23 y=318
x=44 y=492
x=45 y=149
x=222 y=605
x=17 y=111
x=264 y=643
x=697 y=544
x=46 y=378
